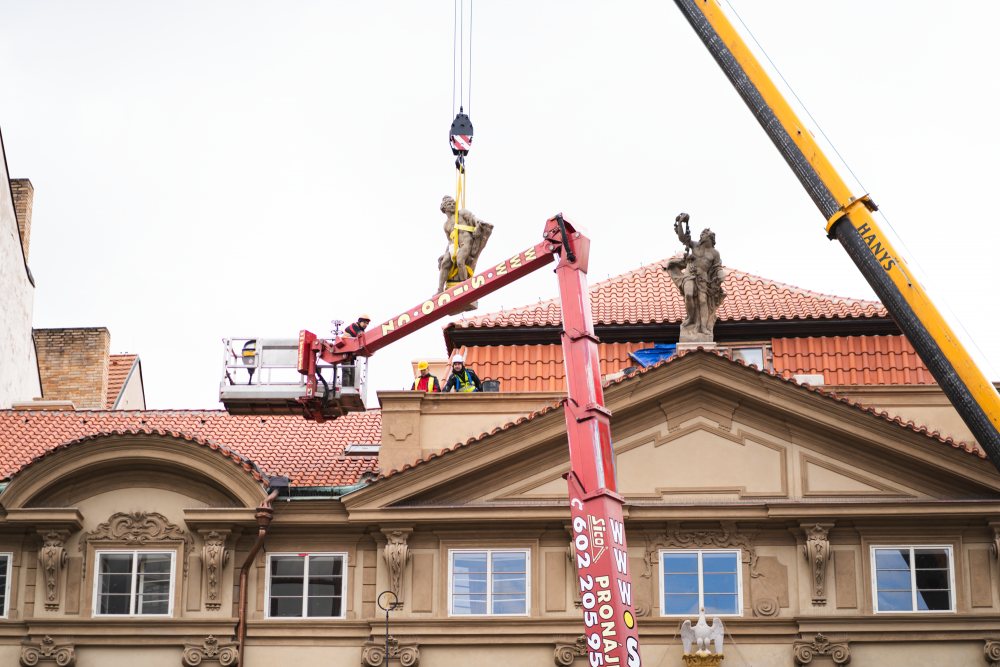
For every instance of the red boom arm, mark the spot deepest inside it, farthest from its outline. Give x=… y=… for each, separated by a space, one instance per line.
x=596 y=507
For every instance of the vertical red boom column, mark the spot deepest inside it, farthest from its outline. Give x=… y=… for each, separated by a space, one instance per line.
x=598 y=528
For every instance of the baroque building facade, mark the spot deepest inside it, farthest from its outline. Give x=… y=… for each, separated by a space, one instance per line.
x=805 y=481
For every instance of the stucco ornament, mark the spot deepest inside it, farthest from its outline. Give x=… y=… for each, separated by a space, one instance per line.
x=407 y=651
x=839 y=651
x=817 y=550
x=48 y=651
x=566 y=652
x=764 y=602
x=396 y=554
x=471 y=234
x=225 y=653
x=992 y=652
x=52 y=558
x=139 y=529
x=215 y=557
x=698 y=275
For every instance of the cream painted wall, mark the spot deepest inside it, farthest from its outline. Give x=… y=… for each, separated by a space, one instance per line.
x=131 y=395
x=121 y=656
x=18 y=364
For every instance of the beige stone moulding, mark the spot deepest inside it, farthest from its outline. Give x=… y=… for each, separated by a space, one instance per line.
x=396 y=554
x=568 y=651
x=47 y=651
x=52 y=560
x=210 y=651
x=138 y=529
x=405 y=651
x=991 y=652
x=214 y=558
x=817 y=552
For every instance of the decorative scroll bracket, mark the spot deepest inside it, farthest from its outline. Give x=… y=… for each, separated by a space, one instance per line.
x=839 y=650
x=48 y=650
x=139 y=529
x=407 y=651
x=197 y=653
x=566 y=652
x=52 y=559
x=817 y=552
x=214 y=558
x=396 y=554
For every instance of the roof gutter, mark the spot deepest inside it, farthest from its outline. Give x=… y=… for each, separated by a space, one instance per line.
x=320 y=492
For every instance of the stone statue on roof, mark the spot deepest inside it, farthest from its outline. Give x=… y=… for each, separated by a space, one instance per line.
x=698 y=274
x=466 y=240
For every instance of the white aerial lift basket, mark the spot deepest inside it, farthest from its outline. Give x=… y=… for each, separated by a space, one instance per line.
x=260 y=377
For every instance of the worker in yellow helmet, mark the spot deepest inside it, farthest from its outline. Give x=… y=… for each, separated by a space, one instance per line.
x=462 y=379
x=425 y=381
x=354 y=330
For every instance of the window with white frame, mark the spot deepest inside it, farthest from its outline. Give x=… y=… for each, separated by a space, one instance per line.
x=489 y=582
x=694 y=578
x=134 y=583
x=913 y=579
x=305 y=585
x=5 y=563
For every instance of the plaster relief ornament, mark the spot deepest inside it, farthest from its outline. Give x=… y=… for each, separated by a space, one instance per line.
x=195 y=653
x=703 y=636
x=698 y=275
x=396 y=554
x=817 y=551
x=215 y=557
x=839 y=651
x=47 y=651
x=465 y=243
x=52 y=558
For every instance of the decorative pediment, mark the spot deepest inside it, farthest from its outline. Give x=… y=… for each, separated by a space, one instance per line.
x=138 y=529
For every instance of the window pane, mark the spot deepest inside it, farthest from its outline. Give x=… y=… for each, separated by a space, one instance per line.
x=324 y=586
x=934 y=579
x=287 y=566
x=680 y=583
x=680 y=563
x=115 y=563
x=508 y=604
x=286 y=607
x=892 y=559
x=466 y=562
x=469 y=604
x=895 y=602
x=114 y=604
x=325 y=607
x=3 y=581
x=931 y=558
x=893 y=580
x=509 y=582
x=154 y=564
x=469 y=583
x=680 y=604
x=286 y=586
x=718 y=563
x=720 y=604
x=153 y=604
x=934 y=600
x=328 y=565
x=120 y=584
x=509 y=562
x=720 y=583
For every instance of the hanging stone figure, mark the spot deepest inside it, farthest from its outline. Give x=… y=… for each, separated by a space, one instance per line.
x=698 y=275
x=472 y=233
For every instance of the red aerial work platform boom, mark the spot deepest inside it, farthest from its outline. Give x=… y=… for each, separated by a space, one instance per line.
x=598 y=530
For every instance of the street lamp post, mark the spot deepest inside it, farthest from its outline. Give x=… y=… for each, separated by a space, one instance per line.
x=387 y=600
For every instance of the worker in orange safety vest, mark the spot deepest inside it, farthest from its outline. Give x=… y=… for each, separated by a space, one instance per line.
x=425 y=381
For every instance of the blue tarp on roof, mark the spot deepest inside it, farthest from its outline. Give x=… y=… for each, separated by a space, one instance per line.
x=651 y=355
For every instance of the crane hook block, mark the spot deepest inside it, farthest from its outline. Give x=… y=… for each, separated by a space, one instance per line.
x=461 y=135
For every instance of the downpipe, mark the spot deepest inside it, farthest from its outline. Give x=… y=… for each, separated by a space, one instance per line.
x=264 y=515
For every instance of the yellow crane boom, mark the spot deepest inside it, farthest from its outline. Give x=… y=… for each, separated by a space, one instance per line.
x=849 y=220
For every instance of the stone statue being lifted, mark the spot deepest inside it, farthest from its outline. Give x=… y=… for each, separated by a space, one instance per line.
x=698 y=275
x=472 y=234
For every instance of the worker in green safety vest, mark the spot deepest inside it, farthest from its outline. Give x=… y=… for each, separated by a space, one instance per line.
x=462 y=379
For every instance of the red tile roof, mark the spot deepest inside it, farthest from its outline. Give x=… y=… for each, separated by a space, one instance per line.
x=647 y=296
x=851 y=359
x=119 y=366
x=881 y=414
x=310 y=454
x=539 y=367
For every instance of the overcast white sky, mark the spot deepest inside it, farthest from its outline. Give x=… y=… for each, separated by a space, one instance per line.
x=208 y=169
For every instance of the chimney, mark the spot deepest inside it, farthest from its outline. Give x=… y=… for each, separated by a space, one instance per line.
x=24 y=198
x=74 y=365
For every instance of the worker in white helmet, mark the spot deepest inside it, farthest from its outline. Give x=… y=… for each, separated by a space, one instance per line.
x=354 y=330
x=426 y=381
x=462 y=379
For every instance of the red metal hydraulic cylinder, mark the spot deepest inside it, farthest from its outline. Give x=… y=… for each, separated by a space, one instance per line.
x=598 y=526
